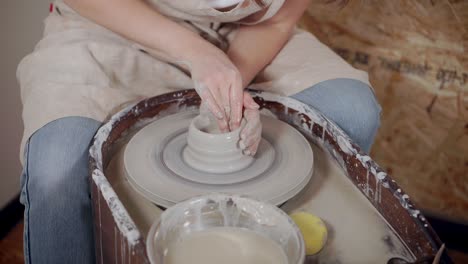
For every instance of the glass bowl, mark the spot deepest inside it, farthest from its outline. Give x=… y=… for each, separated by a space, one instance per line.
x=208 y=212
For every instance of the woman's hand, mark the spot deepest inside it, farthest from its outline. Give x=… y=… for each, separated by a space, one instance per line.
x=251 y=134
x=219 y=84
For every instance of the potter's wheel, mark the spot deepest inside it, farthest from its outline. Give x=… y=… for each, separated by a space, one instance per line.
x=156 y=168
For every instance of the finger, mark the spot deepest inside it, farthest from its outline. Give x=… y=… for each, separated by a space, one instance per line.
x=215 y=92
x=250 y=135
x=249 y=102
x=252 y=116
x=223 y=125
x=214 y=108
x=253 y=142
x=236 y=102
x=225 y=94
x=209 y=100
x=252 y=150
x=252 y=129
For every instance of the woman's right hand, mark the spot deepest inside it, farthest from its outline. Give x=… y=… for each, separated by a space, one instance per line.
x=219 y=84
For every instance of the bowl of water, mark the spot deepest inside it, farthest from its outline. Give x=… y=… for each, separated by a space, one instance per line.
x=222 y=228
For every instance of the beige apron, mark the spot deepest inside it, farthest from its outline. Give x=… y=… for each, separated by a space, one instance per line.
x=82 y=69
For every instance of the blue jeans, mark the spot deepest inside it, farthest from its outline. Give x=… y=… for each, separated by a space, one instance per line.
x=351 y=104
x=55 y=186
x=56 y=195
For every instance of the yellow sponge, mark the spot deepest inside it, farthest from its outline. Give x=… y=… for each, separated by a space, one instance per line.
x=313 y=230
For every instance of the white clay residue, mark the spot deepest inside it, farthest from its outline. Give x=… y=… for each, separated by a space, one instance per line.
x=102 y=135
x=123 y=220
x=381 y=175
x=404 y=201
x=345 y=145
x=363 y=158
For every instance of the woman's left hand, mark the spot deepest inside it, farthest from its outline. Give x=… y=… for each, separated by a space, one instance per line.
x=251 y=133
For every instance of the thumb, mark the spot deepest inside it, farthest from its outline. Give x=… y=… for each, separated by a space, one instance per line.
x=251 y=114
x=249 y=102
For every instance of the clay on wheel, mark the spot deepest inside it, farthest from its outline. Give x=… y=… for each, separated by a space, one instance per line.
x=208 y=150
x=155 y=164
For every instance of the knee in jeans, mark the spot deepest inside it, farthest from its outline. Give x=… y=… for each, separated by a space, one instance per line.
x=349 y=103
x=57 y=157
x=362 y=107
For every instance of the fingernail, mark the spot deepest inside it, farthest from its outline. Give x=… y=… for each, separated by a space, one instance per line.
x=247 y=152
x=255 y=105
x=242 y=145
x=219 y=115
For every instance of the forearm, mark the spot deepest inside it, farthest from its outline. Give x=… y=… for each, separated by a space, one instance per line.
x=254 y=47
x=136 y=21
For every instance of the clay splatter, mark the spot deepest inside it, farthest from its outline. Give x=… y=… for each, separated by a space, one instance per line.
x=125 y=224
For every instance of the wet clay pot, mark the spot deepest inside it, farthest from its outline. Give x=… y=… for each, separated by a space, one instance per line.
x=210 y=151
